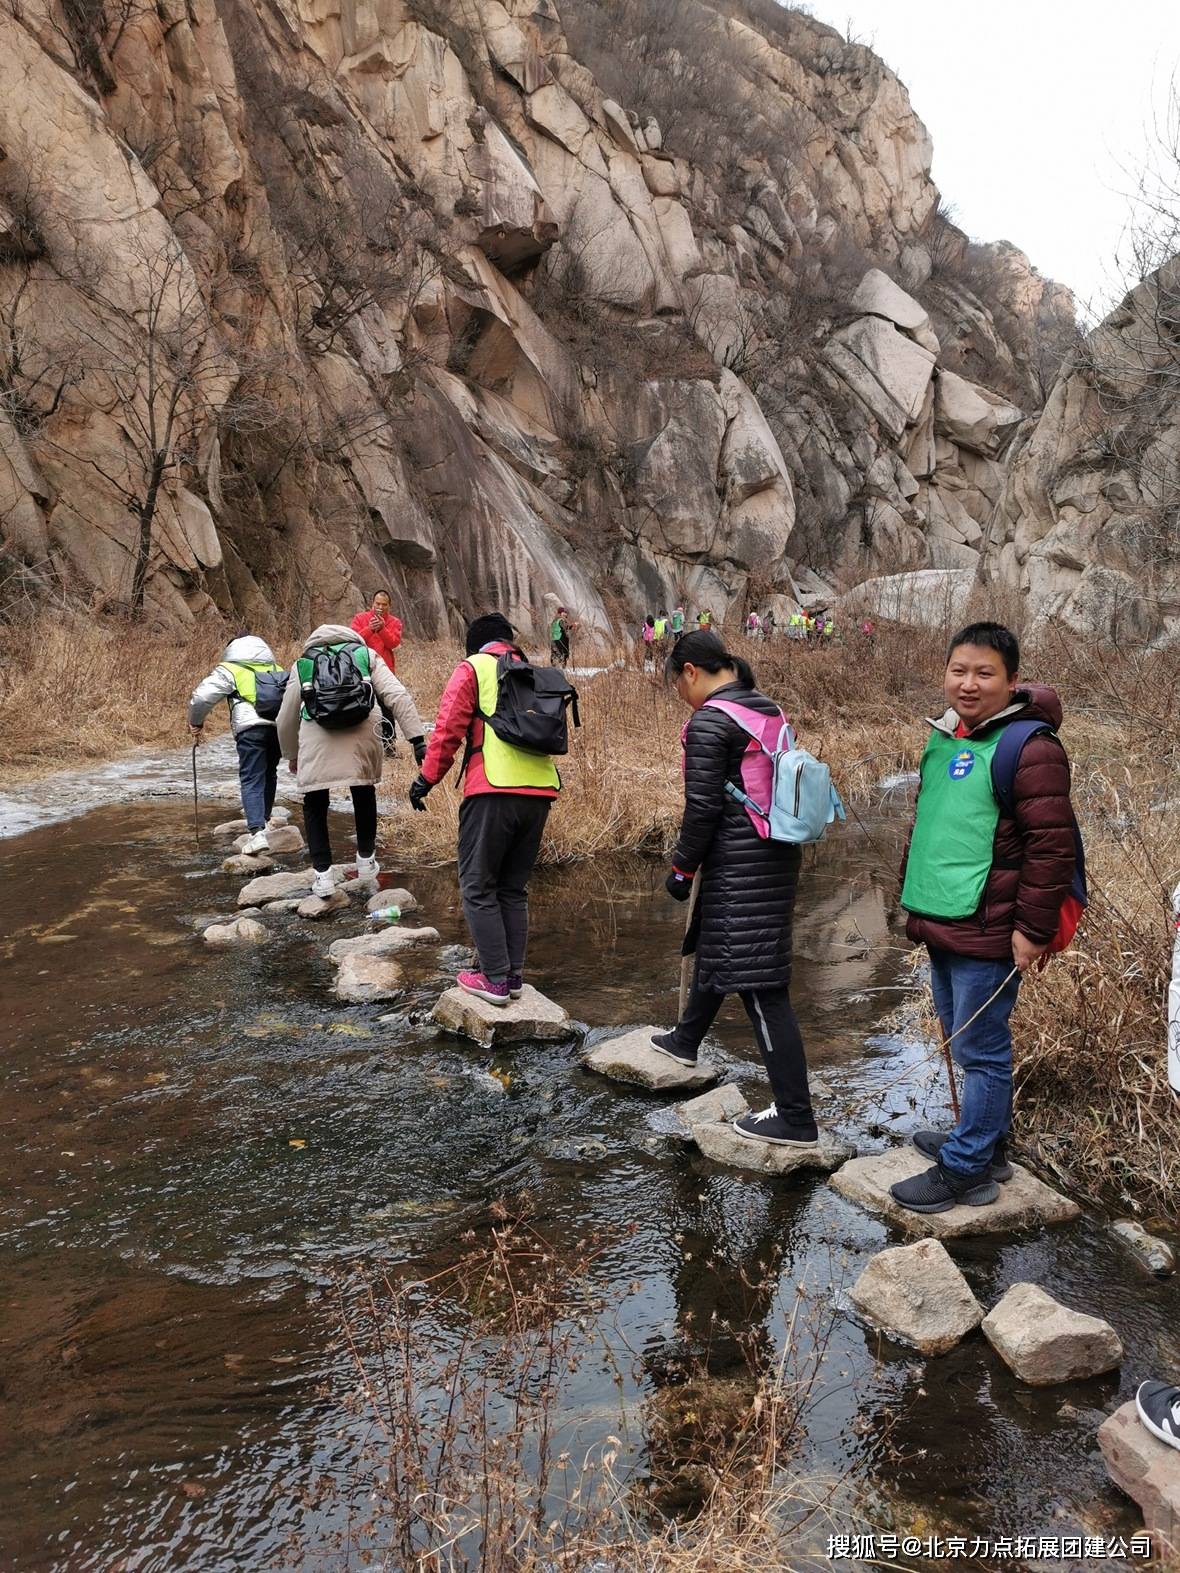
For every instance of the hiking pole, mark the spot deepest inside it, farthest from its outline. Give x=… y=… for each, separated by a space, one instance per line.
x=950 y=1071
x=196 y=814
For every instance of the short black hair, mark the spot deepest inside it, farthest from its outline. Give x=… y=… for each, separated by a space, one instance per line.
x=992 y=636
x=487 y=629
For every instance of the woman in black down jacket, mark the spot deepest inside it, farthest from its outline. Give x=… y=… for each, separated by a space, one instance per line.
x=741 y=931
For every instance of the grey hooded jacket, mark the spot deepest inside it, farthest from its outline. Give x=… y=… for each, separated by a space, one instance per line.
x=220 y=685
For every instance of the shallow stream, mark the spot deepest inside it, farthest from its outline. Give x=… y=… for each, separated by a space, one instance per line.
x=171 y=1378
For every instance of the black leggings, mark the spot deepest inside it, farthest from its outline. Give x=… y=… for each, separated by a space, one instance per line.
x=315 y=824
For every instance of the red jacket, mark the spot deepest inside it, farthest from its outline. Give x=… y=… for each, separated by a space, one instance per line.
x=460 y=722
x=382 y=641
x=1032 y=855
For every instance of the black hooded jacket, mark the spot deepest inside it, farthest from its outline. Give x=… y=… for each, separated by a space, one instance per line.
x=742 y=930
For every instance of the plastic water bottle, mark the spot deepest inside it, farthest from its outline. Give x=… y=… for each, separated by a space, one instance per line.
x=385 y=915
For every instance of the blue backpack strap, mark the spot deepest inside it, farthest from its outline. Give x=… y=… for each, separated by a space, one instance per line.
x=1006 y=760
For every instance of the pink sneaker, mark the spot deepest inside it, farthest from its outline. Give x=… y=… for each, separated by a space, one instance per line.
x=479 y=984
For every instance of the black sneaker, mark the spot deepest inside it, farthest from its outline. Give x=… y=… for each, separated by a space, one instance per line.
x=935 y=1191
x=930 y=1144
x=769 y=1126
x=665 y=1043
x=1159 y=1409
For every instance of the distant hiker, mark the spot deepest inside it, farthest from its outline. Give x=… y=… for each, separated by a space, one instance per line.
x=507 y=793
x=704 y=619
x=330 y=731
x=382 y=632
x=741 y=930
x=769 y=623
x=868 y=631
x=753 y=626
x=677 y=622
x=249 y=678
x=380 y=629
x=559 y=637
x=661 y=628
x=647 y=636
x=797 y=626
x=988 y=881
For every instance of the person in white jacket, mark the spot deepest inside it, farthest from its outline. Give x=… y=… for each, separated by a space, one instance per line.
x=235 y=680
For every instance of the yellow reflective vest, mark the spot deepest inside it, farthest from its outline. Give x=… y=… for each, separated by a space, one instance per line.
x=507 y=768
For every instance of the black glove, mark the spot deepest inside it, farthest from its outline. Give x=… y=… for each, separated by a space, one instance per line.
x=419 y=790
x=678 y=885
x=418 y=744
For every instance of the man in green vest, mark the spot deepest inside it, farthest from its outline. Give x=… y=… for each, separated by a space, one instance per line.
x=986 y=881
x=235 y=679
x=507 y=795
x=677 y=622
x=559 y=638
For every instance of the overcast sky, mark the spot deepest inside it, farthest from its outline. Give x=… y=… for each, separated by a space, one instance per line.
x=1037 y=109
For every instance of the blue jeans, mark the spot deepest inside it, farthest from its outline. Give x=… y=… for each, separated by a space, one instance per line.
x=961 y=984
x=258 y=766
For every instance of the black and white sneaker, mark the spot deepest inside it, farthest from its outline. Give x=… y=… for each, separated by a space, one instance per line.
x=1159 y=1409
x=930 y=1144
x=665 y=1043
x=769 y=1126
x=935 y=1191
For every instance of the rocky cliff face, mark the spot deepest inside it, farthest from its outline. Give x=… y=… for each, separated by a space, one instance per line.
x=302 y=296
x=1088 y=523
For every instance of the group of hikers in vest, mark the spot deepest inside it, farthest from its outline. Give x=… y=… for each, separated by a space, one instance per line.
x=992 y=877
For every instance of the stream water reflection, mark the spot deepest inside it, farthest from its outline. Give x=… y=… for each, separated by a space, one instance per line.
x=171 y=1377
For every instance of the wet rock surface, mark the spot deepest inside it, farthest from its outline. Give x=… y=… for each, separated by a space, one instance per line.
x=390 y=941
x=1156 y=1255
x=275 y=887
x=316 y=907
x=364 y=980
x=403 y=900
x=631 y=1058
x=916 y=1294
x=1044 y=1341
x=1147 y=1469
x=720 y=1103
x=250 y=863
x=1024 y=1201
x=242 y=931
x=719 y=1141
x=531 y=1018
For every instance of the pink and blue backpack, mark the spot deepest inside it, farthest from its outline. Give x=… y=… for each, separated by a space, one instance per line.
x=795 y=787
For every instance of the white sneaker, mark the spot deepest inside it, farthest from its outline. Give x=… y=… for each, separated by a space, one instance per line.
x=258 y=842
x=367 y=870
x=324 y=884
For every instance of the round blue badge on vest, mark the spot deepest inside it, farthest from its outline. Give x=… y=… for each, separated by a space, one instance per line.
x=961 y=765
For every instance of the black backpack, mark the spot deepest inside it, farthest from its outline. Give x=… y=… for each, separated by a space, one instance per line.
x=531 y=706
x=269 y=688
x=336 y=687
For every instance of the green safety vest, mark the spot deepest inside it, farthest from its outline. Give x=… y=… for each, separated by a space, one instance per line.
x=557 y=629
x=953 y=842
x=677 y=622
x=506 y=767
x=245 y=676
x=661 y=628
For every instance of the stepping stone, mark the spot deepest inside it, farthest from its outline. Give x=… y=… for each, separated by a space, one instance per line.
x=1152 y=1252
x=916 y=1294
x=315 y=907
x=285 y=838
x=363 y=980
x=241 y=931
x=248 y=863
x=530 y=1019
x=230 y=827
x=390 y=941
x=1044 y=1341
x=1024 y=1203
x=630 y=1058
x=719 y=1141
x=288 y=905
x=710 y=1108
x=401 y=899
x=1147 y=1469
x=275 y=887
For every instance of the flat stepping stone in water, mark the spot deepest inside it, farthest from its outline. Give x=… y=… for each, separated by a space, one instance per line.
x=248 y=863
x=708 y=1108
x=1147 y=1469
x=631 y=1058
x=285 y=838
x=1044 y=1341
x=230 y=827
x=275 y=887
x=241 y=931
x=530 y=1019
x=363 y=980
x=390 y=941
x=916 y=1294
x=719 y=1141
x=402 y=899
x=315 y=907
x=1024 y=1202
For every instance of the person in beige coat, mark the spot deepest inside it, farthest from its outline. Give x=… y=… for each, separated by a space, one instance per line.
x=330 y=761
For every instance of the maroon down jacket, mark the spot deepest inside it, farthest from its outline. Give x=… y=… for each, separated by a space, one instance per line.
x=1033 y=853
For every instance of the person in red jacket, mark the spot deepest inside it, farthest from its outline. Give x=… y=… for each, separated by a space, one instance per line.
x=382 y=632
x=379 y=628
x=986 y=884
x=500 y=825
